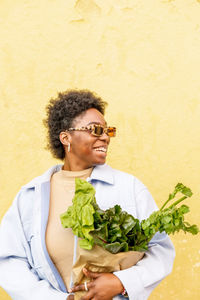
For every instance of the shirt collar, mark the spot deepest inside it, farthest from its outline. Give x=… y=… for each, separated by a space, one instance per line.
x=100 y=172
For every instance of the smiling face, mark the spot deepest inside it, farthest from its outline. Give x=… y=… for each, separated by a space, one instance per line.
x=86 y=150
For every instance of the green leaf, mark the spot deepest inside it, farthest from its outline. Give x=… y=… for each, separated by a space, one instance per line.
x=116 y=247
x=184 y=209
x=87 y=215
x=116 y=230
x=183 y=189
x=79 y=216
x=128 y=223
x=145 y=224
x=85 y=244
x=166 y=219
x=192 y=229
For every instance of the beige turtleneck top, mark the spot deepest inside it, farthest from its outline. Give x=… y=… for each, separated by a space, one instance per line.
x=59 y=240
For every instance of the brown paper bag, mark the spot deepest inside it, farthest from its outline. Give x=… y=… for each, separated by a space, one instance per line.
x=100 y=260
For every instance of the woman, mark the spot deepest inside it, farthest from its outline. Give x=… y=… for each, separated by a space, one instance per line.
x=36 y=253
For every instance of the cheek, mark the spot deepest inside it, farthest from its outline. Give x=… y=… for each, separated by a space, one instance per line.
x=83 y=145
x=86 y=149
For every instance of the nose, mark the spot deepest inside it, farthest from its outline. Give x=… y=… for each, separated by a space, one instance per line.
x=105 y=137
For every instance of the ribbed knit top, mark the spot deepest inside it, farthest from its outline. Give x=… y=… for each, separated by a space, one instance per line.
x=59 y=240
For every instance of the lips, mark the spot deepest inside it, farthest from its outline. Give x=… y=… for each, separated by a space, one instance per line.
x=101 y=149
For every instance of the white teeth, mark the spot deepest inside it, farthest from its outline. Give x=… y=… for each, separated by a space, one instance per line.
x=100 y=149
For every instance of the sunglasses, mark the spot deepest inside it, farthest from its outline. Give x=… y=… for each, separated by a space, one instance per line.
x=97 y=130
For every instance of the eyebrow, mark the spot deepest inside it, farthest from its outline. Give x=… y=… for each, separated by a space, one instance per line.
x=96 y=123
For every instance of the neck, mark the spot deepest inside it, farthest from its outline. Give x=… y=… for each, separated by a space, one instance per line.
x=68 y=166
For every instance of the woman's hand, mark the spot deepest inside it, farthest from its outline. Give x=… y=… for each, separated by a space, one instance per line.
x=104 y=286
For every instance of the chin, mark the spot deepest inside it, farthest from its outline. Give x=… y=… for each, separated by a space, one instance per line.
x=99 y=163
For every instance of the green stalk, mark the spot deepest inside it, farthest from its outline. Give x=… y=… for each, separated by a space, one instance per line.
x=171 y=196
x=178 y=201
x=165 y=203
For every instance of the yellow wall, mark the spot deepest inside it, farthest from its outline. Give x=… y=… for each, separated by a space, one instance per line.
x=143 y=57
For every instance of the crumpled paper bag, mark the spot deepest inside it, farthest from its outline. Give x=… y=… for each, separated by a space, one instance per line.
x=100 y=260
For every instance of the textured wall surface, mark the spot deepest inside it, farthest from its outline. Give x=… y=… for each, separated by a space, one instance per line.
x=143 y=57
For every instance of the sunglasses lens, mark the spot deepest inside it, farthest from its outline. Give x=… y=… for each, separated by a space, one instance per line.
x=111 y=131
x=98 y=130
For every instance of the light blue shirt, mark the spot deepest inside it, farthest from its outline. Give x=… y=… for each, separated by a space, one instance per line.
x=26 y=269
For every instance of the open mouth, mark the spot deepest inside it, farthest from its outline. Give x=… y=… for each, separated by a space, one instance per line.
x=101 y=149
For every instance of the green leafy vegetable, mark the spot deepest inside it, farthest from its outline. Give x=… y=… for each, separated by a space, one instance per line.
x=79 y=216
x=116 y=230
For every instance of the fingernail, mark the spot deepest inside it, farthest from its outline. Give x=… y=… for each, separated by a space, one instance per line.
x=84 y=270
x=70 y=290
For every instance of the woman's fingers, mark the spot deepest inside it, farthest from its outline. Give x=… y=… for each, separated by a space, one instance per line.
x=82 y=287
x=90 y=274
x=70 y=297
x=88 y=285
x=104 y=286
x=88 y=296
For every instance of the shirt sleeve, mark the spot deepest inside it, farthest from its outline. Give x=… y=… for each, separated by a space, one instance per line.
x=17 y=277
x=140 y=280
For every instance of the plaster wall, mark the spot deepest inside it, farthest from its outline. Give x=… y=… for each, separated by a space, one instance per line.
x=143 y=58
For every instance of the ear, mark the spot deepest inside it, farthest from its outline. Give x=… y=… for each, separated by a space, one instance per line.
x=65 y=138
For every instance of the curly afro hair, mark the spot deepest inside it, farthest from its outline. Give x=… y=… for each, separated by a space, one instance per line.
x=61 y=113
